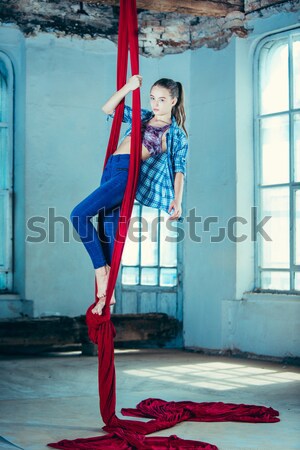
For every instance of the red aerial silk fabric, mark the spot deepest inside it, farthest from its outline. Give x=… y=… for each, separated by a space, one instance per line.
x=130 y=434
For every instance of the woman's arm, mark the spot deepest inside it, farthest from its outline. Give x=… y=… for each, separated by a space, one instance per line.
x=178 y=186
x=178 y=191
x=133 y=83
x=179 y=168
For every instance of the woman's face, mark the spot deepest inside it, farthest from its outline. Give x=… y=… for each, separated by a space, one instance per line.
x=161 y=100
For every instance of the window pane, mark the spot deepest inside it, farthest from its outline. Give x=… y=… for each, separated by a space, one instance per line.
x=3 y=94
x=130 y=275
x=149 y=237
x=5 y=165
x=130 y=256
x=275 y=150
x=168 y=243
x=4 y=229
x=168 y=277
x=297 y=281
x=275 y=252
x=273 y=71
x=297 y=227
x=156 y=247
x=296 y=66
x=275 y=280
x=297 y=146
x=149 y=276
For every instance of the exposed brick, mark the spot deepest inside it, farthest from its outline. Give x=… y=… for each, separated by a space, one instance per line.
x=154 y=50
x=152 y=16
x=145 y=29
x=232 y=24
x=240 y=31
x=176 y=36
x=150 y=42
x=277 y=5
x=159 y=29
x=143 y=36
x=175 y=29
x=150 y=23
x=172 y=50
x=159 y=33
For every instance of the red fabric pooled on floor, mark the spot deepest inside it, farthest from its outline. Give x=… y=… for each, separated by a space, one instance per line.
x=202 y=412
x=113 y=442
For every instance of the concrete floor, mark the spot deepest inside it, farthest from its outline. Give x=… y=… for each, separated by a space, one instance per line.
x=52 y=397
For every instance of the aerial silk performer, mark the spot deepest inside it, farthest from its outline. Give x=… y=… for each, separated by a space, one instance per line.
x=132 y=434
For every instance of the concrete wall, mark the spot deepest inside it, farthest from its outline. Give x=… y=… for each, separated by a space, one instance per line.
x=12 y=44
x=67 y=80
x=66 y=133
x=211 y=192
x=218 y=311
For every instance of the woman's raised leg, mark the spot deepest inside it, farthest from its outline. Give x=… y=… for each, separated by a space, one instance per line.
x=108 y=195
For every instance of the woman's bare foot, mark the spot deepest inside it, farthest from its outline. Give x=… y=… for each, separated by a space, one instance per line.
x=102 y=274
x=101 y=303
x=99 y=306
x=113 y=298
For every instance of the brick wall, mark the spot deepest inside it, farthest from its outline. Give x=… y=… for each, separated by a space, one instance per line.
x=159 y=33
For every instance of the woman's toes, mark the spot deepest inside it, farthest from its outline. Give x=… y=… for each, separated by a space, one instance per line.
x=96 y=310
x=99 y=306
x=101 y=294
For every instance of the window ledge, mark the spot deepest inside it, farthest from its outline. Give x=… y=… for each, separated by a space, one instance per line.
x=9 y=296
x=265 y=296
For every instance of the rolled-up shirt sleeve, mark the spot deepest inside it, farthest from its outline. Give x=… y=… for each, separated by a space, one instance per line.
x=127 y=116
x=180 y=156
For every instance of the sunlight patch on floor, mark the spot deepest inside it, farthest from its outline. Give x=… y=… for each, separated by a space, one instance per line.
x=216 y=375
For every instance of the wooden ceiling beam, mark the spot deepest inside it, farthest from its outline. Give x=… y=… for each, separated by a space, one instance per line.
x=192 y=7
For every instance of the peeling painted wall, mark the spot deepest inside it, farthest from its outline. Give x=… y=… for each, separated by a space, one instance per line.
x=67 y=80
x=159 y=33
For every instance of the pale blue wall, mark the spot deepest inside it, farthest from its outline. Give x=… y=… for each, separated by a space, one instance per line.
x=12 y=44
x=218 y=311
x=210 y=267
x=67 y=81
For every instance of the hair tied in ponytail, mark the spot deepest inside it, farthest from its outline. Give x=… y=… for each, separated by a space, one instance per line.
x=176 y=90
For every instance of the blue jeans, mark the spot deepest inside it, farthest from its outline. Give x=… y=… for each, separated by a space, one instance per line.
x=105 y=200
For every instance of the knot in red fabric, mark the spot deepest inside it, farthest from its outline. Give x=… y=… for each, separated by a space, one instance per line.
x=95 y=322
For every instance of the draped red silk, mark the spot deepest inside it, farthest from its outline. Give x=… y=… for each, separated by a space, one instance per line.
x=130 y=434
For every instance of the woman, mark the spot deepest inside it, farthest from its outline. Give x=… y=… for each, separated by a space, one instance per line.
x=164 y=149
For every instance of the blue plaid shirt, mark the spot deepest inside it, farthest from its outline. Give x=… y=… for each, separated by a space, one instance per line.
x=155 y=186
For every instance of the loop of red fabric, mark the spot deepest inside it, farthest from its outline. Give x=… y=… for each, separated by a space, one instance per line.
x=130 y=434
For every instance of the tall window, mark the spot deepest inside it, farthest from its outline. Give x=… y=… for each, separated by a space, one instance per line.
x=150 y=251
x=6 y=174
x=277 y=161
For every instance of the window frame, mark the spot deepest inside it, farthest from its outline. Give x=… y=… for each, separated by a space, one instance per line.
x=158 y=267
x=292 y=185
x=8 y=191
